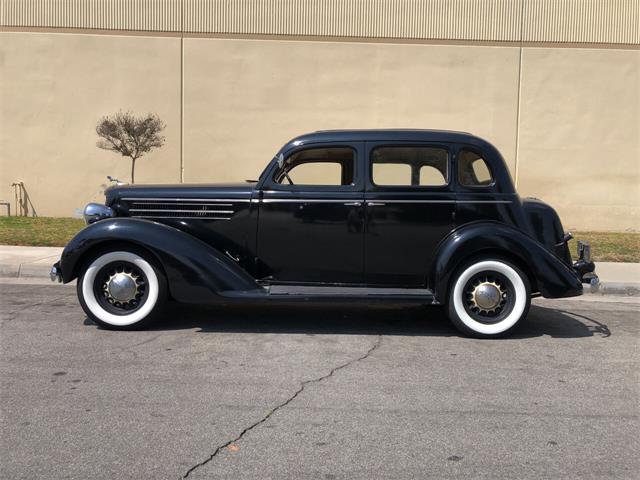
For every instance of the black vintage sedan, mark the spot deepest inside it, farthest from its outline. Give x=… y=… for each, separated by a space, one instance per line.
x=399 y=215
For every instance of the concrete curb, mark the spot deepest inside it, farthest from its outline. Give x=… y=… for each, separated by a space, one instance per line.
x=618 y=288
x=27 y=262
x=26 y=271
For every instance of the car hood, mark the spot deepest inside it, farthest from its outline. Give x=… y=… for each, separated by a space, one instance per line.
x=179 y=191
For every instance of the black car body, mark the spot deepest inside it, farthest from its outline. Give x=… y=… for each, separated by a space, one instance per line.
x=402 y=212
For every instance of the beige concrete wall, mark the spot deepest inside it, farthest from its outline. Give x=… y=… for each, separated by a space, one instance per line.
x=53 y=90
x=577 y=118
x=245 y=98
x=579 y=143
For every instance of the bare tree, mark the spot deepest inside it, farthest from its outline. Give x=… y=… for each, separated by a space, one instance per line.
x=130 y=135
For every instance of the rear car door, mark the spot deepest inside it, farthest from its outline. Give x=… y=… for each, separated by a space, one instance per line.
x=310 y=225
x=409 y=208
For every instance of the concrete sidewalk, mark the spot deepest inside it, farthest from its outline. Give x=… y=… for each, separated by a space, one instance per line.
x=35 y=262
x=27 y=262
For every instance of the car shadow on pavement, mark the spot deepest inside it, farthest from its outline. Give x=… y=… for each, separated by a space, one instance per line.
x=358 y=319
x=560 y=324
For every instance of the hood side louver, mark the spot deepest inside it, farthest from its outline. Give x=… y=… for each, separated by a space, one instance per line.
x=181 y=209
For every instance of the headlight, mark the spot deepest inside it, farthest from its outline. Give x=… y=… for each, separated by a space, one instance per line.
x=96 y=211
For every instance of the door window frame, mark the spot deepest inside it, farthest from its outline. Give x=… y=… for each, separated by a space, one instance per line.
x=357 y=185
x=371 y=186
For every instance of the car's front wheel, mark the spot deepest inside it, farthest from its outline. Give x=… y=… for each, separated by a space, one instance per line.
x=488 y=298
x=122 y=290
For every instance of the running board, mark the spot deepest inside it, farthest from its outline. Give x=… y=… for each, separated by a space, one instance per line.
x=295 y=292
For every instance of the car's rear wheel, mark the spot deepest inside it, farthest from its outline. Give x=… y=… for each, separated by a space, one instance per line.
x=122 y=290
x=488 y=298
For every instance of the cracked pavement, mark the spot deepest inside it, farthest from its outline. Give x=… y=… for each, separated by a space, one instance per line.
x=327 y=392
x=278 y=407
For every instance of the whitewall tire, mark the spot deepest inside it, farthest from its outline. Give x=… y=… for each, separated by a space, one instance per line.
x=121 y=290
x=488 y=298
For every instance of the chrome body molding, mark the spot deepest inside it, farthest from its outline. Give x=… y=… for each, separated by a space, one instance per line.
x=179 y=217
x=484 y=201
x=203 y=201
x=306 y=200
x=347 y=200
x=182 y=203
x=198 y=200
x=176 y=211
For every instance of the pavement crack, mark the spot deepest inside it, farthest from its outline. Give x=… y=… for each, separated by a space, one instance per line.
x=303 y=385
x=143 y=342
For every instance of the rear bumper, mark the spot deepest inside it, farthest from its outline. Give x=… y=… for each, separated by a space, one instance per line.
x=584 y=266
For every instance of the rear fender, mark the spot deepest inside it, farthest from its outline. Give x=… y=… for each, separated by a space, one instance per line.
x=196 y=272
x=553 y=277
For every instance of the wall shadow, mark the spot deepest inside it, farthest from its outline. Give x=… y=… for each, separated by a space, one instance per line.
x=361 y=319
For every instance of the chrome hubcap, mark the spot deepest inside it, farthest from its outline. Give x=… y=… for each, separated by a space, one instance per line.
x=487 y=296
x=122 y=287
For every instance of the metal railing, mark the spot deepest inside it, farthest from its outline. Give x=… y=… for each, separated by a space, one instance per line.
x=23 y=203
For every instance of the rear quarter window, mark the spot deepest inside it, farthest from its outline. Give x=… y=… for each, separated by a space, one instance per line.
x=473 y=170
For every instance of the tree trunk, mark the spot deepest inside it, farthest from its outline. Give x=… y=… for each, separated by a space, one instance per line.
x=133 y=169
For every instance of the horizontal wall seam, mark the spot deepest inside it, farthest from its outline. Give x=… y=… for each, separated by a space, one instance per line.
x=401 y=41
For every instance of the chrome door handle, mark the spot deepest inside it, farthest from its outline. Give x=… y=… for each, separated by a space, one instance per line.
x=376 y=204
x=353 y=204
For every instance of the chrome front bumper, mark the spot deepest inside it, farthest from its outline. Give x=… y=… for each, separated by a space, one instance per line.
x=56 y=273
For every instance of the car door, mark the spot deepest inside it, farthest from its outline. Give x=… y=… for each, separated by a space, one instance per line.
x=409 y=208
x=311 y=219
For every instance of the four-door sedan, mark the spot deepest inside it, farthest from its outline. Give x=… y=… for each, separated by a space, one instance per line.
x=399 y=215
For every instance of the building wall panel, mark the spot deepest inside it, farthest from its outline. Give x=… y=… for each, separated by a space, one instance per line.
x=579 y=142
x=568 y=21
x=407 y=19
x=53 y=91
x=243 y=99
x=143 y=15
x=582 y=21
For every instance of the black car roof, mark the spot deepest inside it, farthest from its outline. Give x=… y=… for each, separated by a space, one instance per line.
x=489 y=152
x=423 y=135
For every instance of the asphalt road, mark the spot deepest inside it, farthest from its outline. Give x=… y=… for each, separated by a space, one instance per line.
x=322 y=392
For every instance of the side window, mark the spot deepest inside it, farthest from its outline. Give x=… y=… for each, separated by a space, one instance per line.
x=410 y=166
x=473 y=170
x=392 y=173
x=333 y=166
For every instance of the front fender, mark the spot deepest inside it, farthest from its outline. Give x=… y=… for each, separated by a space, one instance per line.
x=554 y=278
x=195 y=271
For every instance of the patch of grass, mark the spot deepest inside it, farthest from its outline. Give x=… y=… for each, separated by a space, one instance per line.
x=609 y=246
x=38 y=231
x=56 y=232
